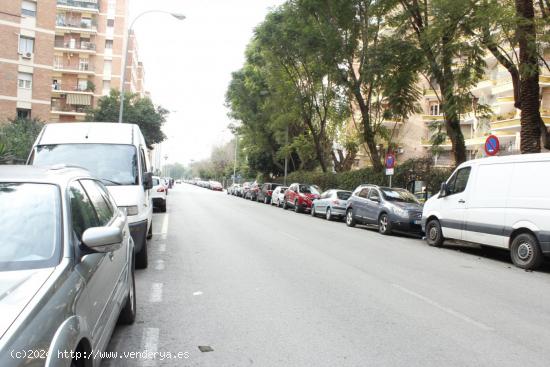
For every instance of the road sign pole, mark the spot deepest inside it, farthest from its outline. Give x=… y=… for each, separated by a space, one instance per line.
x=390 y=180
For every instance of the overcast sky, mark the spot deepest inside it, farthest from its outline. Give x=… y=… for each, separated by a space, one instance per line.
x=188 y=65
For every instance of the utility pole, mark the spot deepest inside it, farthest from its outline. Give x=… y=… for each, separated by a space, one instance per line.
x=286 y=155
x=235 y=159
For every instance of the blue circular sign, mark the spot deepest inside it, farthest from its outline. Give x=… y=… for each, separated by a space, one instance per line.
x=492 y=145
x=390 y=160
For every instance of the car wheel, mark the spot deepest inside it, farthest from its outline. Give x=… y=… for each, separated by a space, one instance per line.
x=350 y=219
x=163 y=207
x=434 y=234
x=150 y=233
x=285 y=205
x=384 y=225
x=525 y=251
x=128 y=313
x=279 y=203
x=297 y=207
x=313 y=214
x=328 y=214
x=142 y=260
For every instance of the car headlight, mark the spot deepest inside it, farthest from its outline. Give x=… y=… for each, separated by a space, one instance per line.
x=400 y=212
x=129 y=210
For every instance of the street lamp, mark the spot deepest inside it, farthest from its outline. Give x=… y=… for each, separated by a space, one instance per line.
x=175 y=15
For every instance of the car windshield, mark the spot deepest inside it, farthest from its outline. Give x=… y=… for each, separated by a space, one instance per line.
x=308 y=189
x=400 y=195
x=30 y=224
x=113 y=164
x=343 y=195
x=156 y=181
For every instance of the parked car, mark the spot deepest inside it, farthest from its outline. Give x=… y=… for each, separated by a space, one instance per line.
x=278 y=195
x=66 y=266
x=165 y=183
x=391 y=209
x=114 y=153
x=158 y=194
x=300 y=197
x=178 y=182
x=499 y=202
x=245 y=189
x=265 y=192
x=233 y=189
x=253 y=191
x=332 y=204
x=215 y=186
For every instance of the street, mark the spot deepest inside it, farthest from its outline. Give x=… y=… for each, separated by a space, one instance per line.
x=267 y=287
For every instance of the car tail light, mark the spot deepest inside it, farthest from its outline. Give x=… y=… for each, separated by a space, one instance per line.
x=160 y=189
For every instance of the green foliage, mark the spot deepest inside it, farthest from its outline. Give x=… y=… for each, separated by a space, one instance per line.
x=414 y=169
x=137 y=110
x=17 y=138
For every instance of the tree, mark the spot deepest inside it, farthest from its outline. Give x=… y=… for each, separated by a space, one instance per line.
x=17 y=137
x=137 y=110
x=503 y=27
x=376 y=68
x=453 y=62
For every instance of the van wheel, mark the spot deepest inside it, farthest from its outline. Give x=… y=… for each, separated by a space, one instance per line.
x=128 y=313
x=150 y=233
x=434 y=234
x=525 y=251
x=163 y=207
x=141 y=257
x=350 y=219
x=384 y=225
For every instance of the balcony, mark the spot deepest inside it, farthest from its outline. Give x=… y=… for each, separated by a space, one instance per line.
x=74 y=69
x=514 y=124
x=82 y=47
x=74 y=25
x=64 y=89
x=91 y=6
x=465 y=119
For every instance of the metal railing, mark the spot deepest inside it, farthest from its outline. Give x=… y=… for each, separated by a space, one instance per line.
x=83 y=45
x=59 y=66
x=75 y=24
x=79 y=4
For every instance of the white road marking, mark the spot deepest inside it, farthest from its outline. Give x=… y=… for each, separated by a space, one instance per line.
x=165 y=224
x=150 y=342
x=156 y=293
x=199 y=293
x=160 y=265
x=290 y=236
x=448 y=310
x=162 y=247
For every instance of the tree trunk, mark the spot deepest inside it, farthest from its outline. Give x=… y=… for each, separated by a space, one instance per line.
x=529 y=71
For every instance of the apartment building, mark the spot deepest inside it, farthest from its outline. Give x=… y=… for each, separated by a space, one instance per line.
x=27 y=31
x=413 y=137
x=60 y=56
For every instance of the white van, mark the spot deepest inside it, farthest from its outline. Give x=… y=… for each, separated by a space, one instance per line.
x=115 y=154
x=499 y=201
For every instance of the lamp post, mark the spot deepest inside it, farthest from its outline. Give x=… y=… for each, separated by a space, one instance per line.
x=125 y=58
x=235 y=160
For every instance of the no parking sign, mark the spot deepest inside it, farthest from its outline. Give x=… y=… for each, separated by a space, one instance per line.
x=492 y=145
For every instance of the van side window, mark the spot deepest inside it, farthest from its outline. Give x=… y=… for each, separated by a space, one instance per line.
x=143 y=162
x=458 y=182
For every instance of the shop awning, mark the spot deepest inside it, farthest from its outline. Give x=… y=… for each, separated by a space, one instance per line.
x=79 y=99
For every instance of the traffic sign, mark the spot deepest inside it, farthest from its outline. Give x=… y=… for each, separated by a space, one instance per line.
x=492 y=145
x=390 y=161
x=389 y=171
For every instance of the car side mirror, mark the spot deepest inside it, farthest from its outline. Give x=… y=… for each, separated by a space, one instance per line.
x=148 y=180
x=103 y=239
x=376 y=199
x=444 y=190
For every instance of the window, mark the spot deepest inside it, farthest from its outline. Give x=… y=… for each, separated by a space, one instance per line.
x=82 y=212
x=26 y=45
x=106 y=87
x=110 y=22
x=100 y=202
x=24 y=80
x=434 y=110
x=84 y=64
x=374 y=195
x=108 y=44
x=28 y=8
x=111 y=6
x=82 y=84
x=458 y=182
x=364 y=193
x=143 y=162
x=23 y=113
x=343 y=195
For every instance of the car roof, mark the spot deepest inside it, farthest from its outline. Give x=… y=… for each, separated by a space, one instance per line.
x=89 y=133
x=58 y=174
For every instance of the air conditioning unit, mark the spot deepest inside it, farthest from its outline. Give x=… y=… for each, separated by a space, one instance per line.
x=27 y=55
x=400 y=150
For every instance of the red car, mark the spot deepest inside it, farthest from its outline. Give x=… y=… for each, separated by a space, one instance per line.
x=216 y=186
x=300 y=197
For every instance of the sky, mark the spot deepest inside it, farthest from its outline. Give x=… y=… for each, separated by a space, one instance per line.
x=188 y=66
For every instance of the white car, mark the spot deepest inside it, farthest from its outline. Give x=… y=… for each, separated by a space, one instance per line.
x=158 y=194
x=499 y=202
x=278 y=196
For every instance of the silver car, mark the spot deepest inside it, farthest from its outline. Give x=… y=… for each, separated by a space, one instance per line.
x=66 y=267
x=332 y=204
x=278 y=196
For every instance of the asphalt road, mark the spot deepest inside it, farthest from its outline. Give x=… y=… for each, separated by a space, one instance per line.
x=267 y=287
